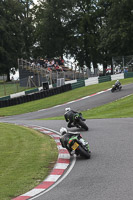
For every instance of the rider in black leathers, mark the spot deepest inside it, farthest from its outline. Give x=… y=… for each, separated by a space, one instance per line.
x=117 y=84
x=66 y=136
x=69 y=117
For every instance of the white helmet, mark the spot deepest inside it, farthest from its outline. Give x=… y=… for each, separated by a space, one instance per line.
x=67 y=109
x=63 y=131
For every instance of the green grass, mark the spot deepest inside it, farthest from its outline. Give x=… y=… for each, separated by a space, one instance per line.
x=26 y=158
x=118 y=109
x=59 y=99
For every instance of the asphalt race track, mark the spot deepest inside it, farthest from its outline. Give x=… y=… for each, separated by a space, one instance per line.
x=108 y=175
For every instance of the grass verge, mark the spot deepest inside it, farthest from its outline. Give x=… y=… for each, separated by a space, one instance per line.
x=59 y=99
x=26 y=159
x=122 y=108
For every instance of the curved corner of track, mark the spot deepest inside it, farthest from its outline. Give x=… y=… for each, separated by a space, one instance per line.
x=57 y=174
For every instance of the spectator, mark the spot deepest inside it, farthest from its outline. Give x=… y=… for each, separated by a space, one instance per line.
x=33 y=64
x=38 y=65
x=61 y=61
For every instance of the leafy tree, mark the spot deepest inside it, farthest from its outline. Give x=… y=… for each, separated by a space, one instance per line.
x=28 y=28
x=15 y=42
x=83 y=38
x=50 y=28
x=10 y=35
x=117 y=28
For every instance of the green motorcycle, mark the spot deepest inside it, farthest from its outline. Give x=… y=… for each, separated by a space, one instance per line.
x=79 y=146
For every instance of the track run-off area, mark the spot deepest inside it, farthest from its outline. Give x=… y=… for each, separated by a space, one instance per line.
x=108 y=175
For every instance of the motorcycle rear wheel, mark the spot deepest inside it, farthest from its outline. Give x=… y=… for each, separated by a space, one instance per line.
x=112 y=90
x=83 y=125
x=82 y=152
x=120 y=88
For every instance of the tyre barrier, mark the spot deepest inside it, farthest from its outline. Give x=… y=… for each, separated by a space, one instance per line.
x=35 y=96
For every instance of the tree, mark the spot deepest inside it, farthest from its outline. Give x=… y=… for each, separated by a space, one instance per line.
x=117 y=28
x=69 y=27
x=10 y=35
x=50 y=28
x=84 y=35
x=15 y=41
x=27 y=28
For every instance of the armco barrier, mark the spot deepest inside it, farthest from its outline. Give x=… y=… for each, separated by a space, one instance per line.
x=128 y=75
x=35 y=96
x=17 y=94
x=4 y=98
x=102 y=79
x=79 y=83
x=31 y=91
x=117 y=76
x=91 y=81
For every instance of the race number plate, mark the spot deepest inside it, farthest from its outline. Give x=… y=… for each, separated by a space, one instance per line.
x=75 y=146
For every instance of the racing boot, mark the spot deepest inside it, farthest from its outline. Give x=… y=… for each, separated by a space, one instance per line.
x=72 y=153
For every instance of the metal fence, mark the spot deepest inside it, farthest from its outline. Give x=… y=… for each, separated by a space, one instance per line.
x=7 y=88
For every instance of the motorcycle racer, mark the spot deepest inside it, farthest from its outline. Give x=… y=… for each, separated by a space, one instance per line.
x=117 y=83
x=65 y=136
x=69 y=117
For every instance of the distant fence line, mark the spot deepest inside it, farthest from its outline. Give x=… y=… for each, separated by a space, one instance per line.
x=7 y=88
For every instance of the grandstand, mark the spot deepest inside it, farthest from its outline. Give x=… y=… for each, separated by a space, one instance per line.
x=33 y=74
